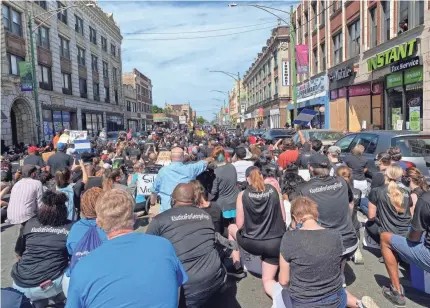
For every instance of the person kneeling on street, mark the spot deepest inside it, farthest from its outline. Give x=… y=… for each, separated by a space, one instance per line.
x=191 y=231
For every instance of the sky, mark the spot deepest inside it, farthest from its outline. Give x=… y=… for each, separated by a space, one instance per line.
x=179 y=68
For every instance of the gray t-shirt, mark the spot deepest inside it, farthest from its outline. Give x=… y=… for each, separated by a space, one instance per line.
x=314 y=257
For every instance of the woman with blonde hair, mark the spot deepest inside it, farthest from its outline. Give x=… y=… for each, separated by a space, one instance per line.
x=260 y=224
x=389 y=206
x=417 y=183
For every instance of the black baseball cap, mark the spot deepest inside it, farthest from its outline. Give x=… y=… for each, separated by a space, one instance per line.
x=319 y=160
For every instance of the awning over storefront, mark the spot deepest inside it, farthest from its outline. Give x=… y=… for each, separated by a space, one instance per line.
x=312 y=102
x=162 y=119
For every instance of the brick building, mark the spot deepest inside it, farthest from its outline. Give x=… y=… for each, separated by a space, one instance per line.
x=368 y=58
x=267 y=82
x=139 y=115
x=78 y=69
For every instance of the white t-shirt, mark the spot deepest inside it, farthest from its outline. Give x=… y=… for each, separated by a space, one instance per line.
x=241 y=167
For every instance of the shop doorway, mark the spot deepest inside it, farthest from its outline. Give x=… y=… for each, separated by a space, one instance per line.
x=22 y=121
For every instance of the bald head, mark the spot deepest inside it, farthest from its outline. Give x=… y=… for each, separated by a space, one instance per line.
x=183 y=194
x=177 y=155
x=152 y=157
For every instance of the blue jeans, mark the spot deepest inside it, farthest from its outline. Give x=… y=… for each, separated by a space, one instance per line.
x=36 y=293
x=338 y=298
x=364 y=206
x=411 y=252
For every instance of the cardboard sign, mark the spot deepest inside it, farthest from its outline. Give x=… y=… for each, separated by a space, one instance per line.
x=78 y=135
x=305 y=174
x=144 y=183
x=82 y=146
x=45 y=156
x=164 y=158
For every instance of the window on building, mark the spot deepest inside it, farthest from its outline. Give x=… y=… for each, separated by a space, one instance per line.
x=116 y=96
x=12 y=20
x=104 y=43
x=322 y=13
x=79 y=25
x=269 y=90
x=42 y=4
x=105 y=70
x=94 y=63
x=315 y=55
x=276 y=85
x=314 y=15
x=64 y=48
x=275 y=59
x=83 y=87
x=373 y=27
x=128 y=106
x=42 y=37
x=385 y=24
x=115 y=74
x=306 y=23
x=334 y=6
x=44 y=77
x=269 y=67
x=93 y=123
x=81 y=56
x=106 y=94
x=354 y=39
x=93 y=36
x=113 y=50
x=337 y=48
x=14 y=64
x=411 y=14
x=67 y=83
x=323 y=57
x=62 y=14
x=96 y=91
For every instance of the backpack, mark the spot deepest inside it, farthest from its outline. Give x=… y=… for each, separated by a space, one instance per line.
x=90 y=241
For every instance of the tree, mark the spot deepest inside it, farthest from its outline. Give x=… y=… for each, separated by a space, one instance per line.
x=156 y=109
x=167 y=110
x=200 y=120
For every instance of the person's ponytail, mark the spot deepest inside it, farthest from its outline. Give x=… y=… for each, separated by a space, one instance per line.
x=392 y=174
x=417 y=178
x=256 y=180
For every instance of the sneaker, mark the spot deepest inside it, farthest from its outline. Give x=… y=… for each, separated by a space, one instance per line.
x=358 y=257
x=236 y=271
x=381 y=260
x=367 y=302
x=396 y=298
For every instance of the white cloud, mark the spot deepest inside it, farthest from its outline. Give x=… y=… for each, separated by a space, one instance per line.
x=179 y=69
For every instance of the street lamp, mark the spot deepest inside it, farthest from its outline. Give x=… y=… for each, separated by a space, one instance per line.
x=33 y=57
x=292 y=39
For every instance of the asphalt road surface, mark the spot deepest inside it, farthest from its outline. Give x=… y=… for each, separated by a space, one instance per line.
x=362 y=280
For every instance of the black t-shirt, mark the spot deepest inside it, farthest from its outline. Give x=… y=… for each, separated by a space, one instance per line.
x=357 y=199
x=43 y=254
x=421 y=219
x=388 y=219
x=303 y=159
x=59 y=161
x=314 y=257
x=333 y=195
x=192 y=233
x=216 y=214
x=133 y=152
x=357 y=165
x=378 y=179
x=34 y=160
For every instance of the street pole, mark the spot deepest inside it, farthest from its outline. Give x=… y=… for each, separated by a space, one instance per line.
x=293 y=60
x=35 y=85
x=240 y=101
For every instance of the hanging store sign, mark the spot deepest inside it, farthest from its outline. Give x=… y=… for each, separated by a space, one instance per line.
x=395 y=80
x=402 y=65
x=340 y=74
x=26 y=74
x=285 y=72
x=312 y=87
x=302 y=59
x=392 y=55
x=413 y=75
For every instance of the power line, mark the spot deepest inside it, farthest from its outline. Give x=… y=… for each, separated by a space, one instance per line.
x=201 y=31
x=192 y=38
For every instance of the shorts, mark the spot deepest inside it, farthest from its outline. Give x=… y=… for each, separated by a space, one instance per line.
x=36 y=293
x=411 y=252
x=268 y=250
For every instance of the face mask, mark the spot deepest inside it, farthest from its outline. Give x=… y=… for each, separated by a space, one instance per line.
x=220 y=158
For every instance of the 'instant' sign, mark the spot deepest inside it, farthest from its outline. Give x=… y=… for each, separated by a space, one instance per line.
x=392 y=55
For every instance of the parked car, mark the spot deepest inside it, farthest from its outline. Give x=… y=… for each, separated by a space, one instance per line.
x=415 y=146
x=253 y=132
x=275 y=134
x=327 y=136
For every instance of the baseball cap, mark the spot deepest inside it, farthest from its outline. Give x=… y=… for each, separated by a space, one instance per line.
x=249 y=170
x=26 y=170
x=61 y=146
x=334 y=150
x=318 y=160
x=32 y=149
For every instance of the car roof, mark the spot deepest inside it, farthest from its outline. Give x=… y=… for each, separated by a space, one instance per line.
x=322 y=130
x=391 y=133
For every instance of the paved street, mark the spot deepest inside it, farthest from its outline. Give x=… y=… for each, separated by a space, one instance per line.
x=248 y=293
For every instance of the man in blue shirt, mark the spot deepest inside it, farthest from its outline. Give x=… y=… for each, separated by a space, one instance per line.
x=130 y=269
x=176 y=173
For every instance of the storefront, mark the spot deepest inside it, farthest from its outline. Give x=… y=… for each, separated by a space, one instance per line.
x=313 y=94
x=275 y=118
x=92 y=122
x=398 y=66
x=133 y=124
x=55 y=121
x=354 y=106
x=115 y=122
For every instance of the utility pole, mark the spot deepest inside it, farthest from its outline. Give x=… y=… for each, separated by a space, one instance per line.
x=240 y=100
x=293 y=60
x=35 y=85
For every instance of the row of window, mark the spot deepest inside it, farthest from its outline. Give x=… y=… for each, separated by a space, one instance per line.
x=138 y=107
x=142 y=92
x=265 y=93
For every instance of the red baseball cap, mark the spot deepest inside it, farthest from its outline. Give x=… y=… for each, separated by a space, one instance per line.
x=32 y=149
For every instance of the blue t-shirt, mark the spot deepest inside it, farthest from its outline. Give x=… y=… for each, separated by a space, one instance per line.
x=78 y=231
x=132 y=270
x=139 y=198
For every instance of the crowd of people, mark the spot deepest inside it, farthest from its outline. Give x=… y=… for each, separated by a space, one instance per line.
x=220 y=196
